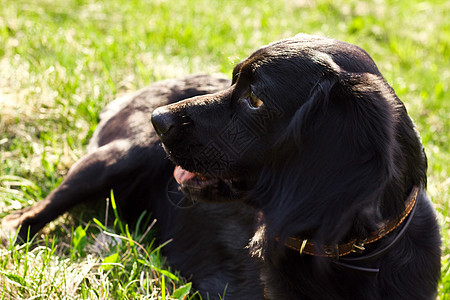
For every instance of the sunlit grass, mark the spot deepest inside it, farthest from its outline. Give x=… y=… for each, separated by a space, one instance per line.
x=62 y=61
x=96 y=263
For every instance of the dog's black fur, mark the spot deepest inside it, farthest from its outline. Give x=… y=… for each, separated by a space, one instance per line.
x=308 y=141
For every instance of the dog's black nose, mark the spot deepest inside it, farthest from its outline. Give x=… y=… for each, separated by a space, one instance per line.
x=163 y=121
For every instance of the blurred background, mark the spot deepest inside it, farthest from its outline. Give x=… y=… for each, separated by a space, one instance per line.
x=62 y=61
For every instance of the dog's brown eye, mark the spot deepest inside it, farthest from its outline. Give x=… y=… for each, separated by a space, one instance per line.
x=253 y=100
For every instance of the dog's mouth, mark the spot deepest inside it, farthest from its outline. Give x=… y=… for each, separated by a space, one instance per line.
x=189 y=179
x=211 y=189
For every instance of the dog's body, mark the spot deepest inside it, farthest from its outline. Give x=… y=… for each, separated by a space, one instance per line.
x=308 y=143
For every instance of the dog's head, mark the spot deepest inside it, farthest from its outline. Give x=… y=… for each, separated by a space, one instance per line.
x=308 y=126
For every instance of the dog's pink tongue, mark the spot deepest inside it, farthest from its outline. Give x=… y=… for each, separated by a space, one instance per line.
x=181 y=175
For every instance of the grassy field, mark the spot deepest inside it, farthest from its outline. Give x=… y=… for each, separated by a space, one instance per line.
x=62 y=61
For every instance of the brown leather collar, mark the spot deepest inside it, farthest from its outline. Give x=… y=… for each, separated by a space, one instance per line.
x=304 y=246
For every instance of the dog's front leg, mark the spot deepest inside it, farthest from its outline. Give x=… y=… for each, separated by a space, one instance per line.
x=88 y=180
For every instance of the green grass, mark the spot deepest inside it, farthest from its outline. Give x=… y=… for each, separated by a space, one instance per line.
x=62 y=61
x=115 y=264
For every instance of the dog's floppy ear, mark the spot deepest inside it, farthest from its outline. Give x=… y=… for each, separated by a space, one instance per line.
x=332 y=166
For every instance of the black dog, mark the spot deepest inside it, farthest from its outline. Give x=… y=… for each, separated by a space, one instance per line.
x=309 y=151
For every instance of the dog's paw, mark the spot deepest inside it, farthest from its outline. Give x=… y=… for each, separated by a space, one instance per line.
x=9 y=227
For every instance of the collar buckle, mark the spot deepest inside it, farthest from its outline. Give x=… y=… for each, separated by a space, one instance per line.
x=358 y=246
